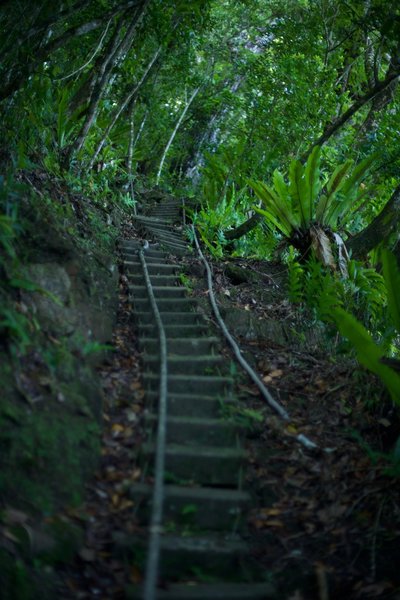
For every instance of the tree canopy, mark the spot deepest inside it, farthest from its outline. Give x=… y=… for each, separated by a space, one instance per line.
x=201 y=96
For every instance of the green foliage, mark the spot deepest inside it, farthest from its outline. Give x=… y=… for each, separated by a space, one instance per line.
x=310 y=201
x=369 y=353
x=313 y=285
x=391 y=274
x=389 y=460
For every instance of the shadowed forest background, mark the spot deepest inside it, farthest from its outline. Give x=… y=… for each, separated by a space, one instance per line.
x=277 y=124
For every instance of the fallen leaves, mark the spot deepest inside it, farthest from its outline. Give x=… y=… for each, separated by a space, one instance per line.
x=272 y=375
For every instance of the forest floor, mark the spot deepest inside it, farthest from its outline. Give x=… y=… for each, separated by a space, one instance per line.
x=325 y=523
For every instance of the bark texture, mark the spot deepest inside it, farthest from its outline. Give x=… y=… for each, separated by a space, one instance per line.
x=384 y=225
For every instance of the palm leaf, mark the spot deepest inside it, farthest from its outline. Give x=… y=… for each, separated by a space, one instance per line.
x=391 y=273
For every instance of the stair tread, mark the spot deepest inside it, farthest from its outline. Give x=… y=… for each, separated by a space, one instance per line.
x=199 y=451
x=200 y=493
x=200 y=378
x=212 y=591
x=174 y=357
x=203 y=421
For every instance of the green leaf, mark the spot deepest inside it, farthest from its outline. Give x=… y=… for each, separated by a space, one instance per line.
x=369 y=354
x=312 y=179
x=281 y=187
x=337 y=179
x=347 y=196
x=391 y=274
x=358 y=173
x=271 y=218
x=275 y=206
x=300 y=193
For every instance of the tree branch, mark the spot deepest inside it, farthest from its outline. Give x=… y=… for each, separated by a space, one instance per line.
x=384 y=224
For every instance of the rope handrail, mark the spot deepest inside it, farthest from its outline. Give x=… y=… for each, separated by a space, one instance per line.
x=238 y=354
x=153 y=554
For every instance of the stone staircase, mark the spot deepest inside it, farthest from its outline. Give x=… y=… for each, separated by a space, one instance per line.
x=204 y=496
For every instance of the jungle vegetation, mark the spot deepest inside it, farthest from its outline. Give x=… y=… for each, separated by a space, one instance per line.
x=280 y=118
x=276 y=121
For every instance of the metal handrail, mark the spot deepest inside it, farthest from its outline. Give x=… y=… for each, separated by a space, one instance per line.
x=155 y=530
x=238 y=354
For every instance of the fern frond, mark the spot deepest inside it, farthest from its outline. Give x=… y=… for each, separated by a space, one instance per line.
x=295 y=282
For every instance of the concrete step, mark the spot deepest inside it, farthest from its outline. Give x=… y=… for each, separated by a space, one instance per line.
x=204 y=507
x=149 y=259
x=210 y=553
x=160 y=225
x=196 y=364
x=205 y=465
x=165 y=304
x=169 y=318
x=172 y=244
x=192 y=405
x=132 y=254
x=168 y=215
x=162 y=291
x=174 y=331
x=196 y=345
x=207 y=385
x=209 y=591
x=176 y=251
x=153 y=268
x=153 y=222
x=197 y=430
x=174 y=237
x=158 y=280
x=169 y=234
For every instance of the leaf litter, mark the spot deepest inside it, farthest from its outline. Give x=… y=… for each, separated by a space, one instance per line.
x=324 y=525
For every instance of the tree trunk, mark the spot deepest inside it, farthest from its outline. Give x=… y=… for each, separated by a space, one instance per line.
x=101 y=84
x=331 y=129
x=178 y=124
x=14 y=82
x=127 y=100
x=384 y=225
x=235 y=234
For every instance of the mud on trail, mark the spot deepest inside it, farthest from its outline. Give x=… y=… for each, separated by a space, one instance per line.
x=324 y=523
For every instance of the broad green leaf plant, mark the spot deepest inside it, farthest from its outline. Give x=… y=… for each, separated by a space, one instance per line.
x=309 y=208
x=369 y=353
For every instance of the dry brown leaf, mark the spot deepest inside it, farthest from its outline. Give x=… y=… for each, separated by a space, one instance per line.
x=135 y=575
x=276 y=373
x=271 y=512
x=117 y=428
x=274 y=523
